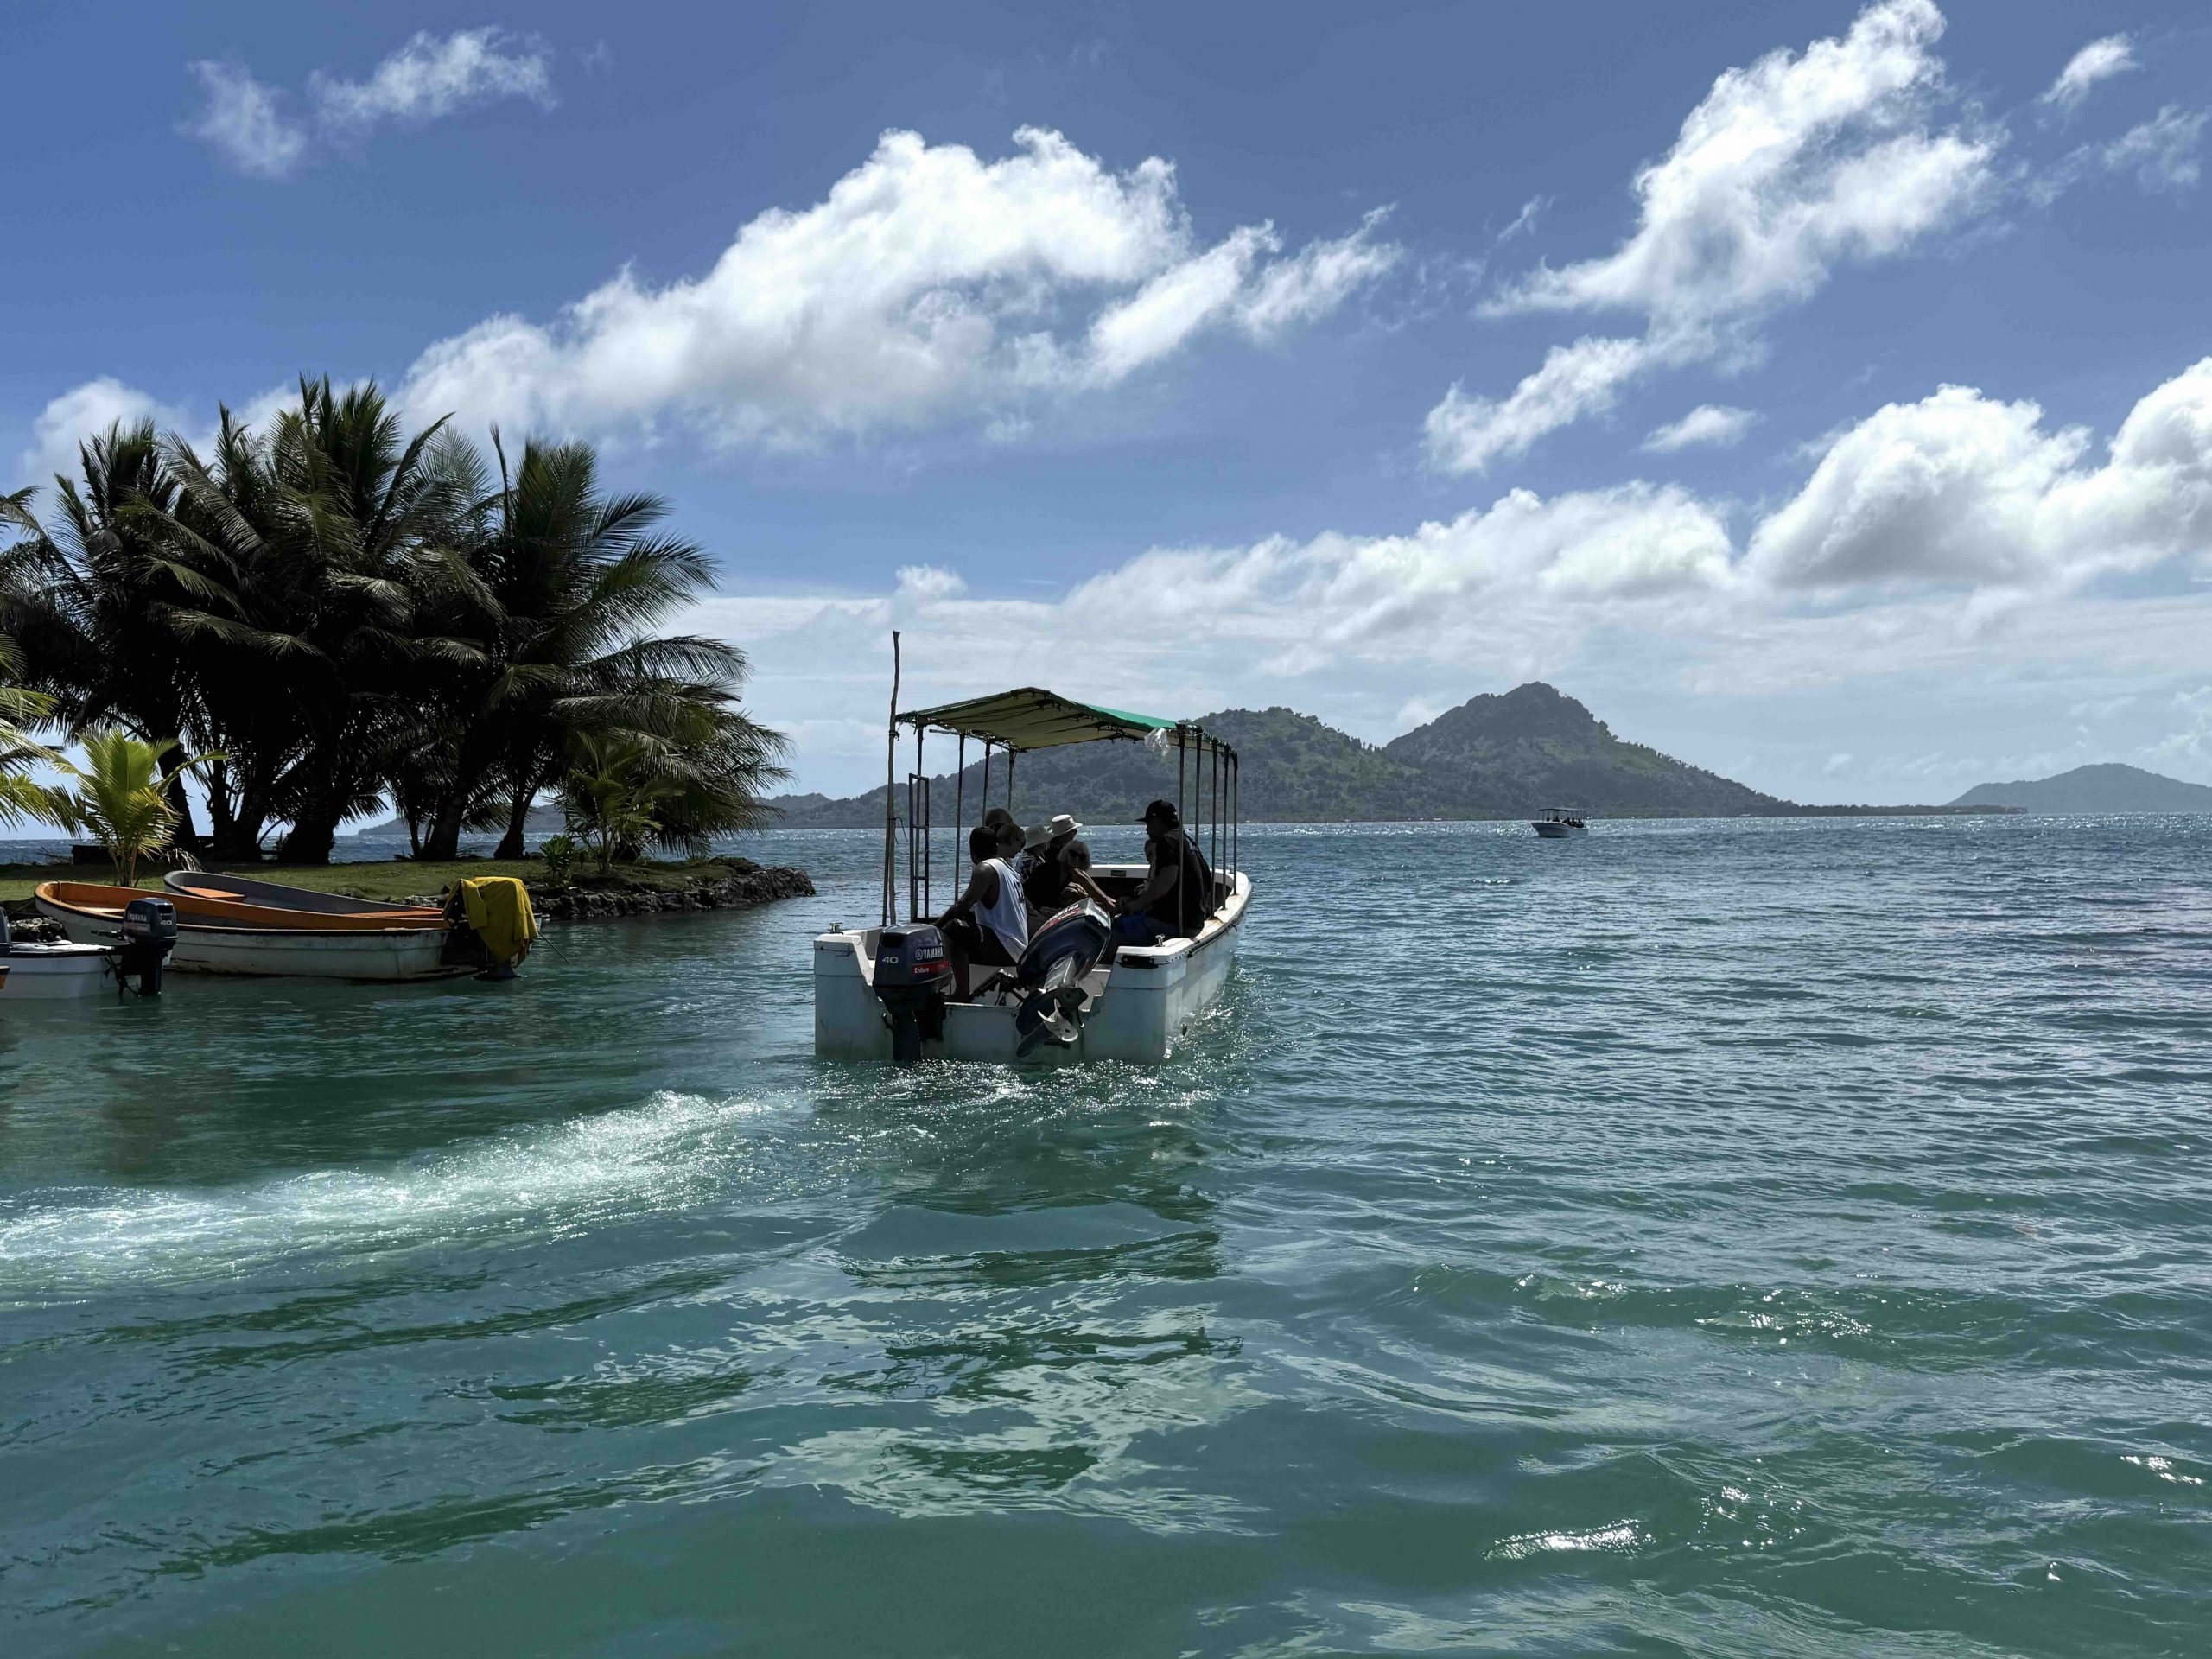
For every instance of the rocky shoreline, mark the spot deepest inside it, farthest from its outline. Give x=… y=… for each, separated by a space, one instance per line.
x=586 y=900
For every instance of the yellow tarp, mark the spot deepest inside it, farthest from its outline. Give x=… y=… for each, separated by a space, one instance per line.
x=498 y=907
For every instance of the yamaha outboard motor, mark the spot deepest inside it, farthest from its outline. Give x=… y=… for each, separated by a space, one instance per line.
x=913 y=975
x=149 y=936
x=1060 y=952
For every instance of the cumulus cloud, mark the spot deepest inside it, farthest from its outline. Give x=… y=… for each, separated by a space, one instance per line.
x=244 y=120
x=1955 y=535
x=1708 y=423
x=931 y=284
x=2099 y=60
x=1962 y=491
x=430 y=76
x=82 y=412
x=1784 y=171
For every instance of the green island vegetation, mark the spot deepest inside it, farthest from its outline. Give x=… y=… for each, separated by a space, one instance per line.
x=328 y=612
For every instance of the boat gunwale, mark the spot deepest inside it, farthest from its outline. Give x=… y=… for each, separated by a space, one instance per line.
x=266 y=919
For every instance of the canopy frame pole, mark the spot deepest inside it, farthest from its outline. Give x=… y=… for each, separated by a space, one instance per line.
x=890 y=796
x=959 y=807
x=987 y=774
x=1178 y=770
x=1010 y=755
x=921 y=828
x=1237 y=800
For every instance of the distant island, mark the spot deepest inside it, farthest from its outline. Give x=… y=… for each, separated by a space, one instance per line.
x=1496 y=756
x=2110 y=787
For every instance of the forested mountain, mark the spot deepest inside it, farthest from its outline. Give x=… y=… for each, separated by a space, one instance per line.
x=2110 y=787
x=1492 y=757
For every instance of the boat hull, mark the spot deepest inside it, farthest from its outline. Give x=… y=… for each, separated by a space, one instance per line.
x=243 y=889
x=1152 y=999
x=55 y=973
x=380 y=954
x=1557 y=831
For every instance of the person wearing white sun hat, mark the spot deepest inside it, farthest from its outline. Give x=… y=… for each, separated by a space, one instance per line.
x=1051 y=878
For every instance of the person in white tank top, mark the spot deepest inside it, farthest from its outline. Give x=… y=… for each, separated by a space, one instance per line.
x=987 y=926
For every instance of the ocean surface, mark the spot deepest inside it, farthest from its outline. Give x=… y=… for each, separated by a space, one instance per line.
x=1748 y=1238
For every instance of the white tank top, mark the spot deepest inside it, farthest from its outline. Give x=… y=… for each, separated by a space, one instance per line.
x=1005 y=917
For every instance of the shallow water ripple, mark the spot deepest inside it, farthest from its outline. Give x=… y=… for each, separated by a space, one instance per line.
x=1716 y=1239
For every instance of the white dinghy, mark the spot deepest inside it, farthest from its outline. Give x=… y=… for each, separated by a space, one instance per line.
x=883 y=992
x=55 y=973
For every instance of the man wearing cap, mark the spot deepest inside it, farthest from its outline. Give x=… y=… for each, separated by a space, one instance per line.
x=1171 y=904
x=1051 y=874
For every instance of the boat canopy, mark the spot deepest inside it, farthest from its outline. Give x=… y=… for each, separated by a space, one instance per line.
x=1030 y=717
x=1033 y=718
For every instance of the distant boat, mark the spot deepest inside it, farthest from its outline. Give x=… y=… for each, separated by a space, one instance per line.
x=1558 y=823
x=223 y=936
x=54 y=973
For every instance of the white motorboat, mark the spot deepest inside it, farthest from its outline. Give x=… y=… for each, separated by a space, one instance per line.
x=54 y=973
x=1077 y=994
x=1558 y=823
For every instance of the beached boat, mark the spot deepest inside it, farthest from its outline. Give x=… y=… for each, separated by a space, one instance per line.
x=54 y=973
x=1120 y=1002
x=1558 y=823
x=221 y=936
x=246 y=890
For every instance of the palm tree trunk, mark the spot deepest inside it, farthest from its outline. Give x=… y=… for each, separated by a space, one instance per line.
x=510 y=844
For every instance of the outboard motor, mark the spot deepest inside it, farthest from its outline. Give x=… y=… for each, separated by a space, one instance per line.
x=913 y=975
x=1060 y=953
x=149 y=936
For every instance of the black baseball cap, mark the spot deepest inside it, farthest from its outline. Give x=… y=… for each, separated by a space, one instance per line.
x=1162 y=812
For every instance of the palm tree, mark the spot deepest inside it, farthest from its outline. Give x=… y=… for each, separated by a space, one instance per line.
x=575 y=582
x=122 y=799
x=612 y=792
x=341 y=537
x=21 y=711
x=91 y=601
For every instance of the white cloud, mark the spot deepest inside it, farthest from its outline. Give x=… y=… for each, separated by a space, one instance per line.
x=242 y=120
x=1961 y=491
x=1784 y=171
x=1465 y=433
x=1316 y=280
x=2162 y=152
x=428 y=78
x=1960 y=537
x=929 y=285
x=1713 y=424
x=1525 y=220
x=2098 y=60
x=83 y=412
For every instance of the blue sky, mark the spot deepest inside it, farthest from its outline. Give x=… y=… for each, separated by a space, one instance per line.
x=1361 y=361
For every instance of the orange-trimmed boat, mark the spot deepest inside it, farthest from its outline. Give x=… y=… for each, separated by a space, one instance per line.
x=224 y=936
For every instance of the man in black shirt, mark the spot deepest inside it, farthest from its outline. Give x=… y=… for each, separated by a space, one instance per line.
x=1173 y=902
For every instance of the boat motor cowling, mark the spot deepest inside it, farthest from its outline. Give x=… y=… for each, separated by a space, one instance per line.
x=912 y=975
x=149 y=936
x=1060 y=952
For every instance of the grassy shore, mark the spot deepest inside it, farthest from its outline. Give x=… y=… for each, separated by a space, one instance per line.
x=397 y=878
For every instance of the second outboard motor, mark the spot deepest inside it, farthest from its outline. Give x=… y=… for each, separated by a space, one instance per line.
x=149 y=936
x=913 y=975
x=1060 y=952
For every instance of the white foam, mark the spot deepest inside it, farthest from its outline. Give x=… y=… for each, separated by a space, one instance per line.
x=583 y=1173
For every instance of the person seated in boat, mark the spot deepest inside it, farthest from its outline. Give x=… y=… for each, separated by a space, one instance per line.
x=1051 y=878
x=1172 y=903
x=986 y=926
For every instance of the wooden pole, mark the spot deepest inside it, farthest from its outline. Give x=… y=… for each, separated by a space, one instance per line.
x=890 y=795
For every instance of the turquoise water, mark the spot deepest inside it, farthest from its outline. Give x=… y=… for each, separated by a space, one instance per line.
x=1733 y=1239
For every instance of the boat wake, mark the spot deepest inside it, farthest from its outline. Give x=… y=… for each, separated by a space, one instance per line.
x=546 y=1183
